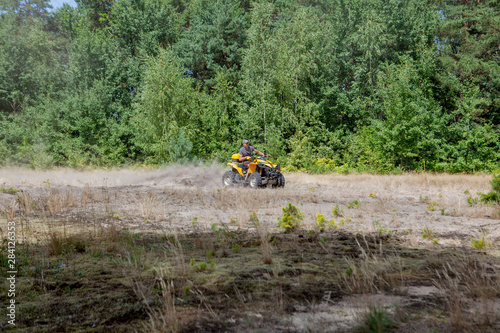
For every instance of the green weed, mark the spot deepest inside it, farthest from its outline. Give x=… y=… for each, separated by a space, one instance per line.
x=9 y=190
x=377 y=320
x=472 y=201
x=494 y=195
x=380 y=229
x=291 y=219
x=236 y=248
x=254 y=219
x=479 y=244
x=425 y=199
x=322 y=223
x=428 y=234
x=432 y=207
x=337 y=211
x=353 y=204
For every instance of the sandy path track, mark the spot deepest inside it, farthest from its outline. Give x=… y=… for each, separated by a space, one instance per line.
x=172 y=197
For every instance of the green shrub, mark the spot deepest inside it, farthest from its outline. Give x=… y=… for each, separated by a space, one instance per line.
x=180 y=149
x=378 y=320
x=337 y=211
x=353 y=204
x=322 y=223
x=291 y=219
x=479 y=244
x=493 y=196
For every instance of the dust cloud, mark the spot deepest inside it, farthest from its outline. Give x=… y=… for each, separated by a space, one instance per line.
x=204 y=176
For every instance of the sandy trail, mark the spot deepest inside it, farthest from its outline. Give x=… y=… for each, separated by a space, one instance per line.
x=173 y=197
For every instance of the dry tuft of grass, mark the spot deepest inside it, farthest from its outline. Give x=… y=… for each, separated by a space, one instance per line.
x=149 y=206
x=87 y=195
x=56 y=201
x=26 y=202
x=163 y=319
x=10 y=210
x=374 y=273
x=58 y=244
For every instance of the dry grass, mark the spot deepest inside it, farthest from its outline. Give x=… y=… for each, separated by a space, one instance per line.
x=88 y=195
x=174 y=247
x=163 y=319
x=26 y=202
x=59 y=243
x=436 y=182
x=56 y=201
x=375 y=272
x=9 y=209
x=264 y=243
x=150 y=206
x=464 y=279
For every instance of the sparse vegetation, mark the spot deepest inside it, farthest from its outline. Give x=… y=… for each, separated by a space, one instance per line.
x=432 y=207
x=472 y=201
x=380 y=229
x=9 y=190
x=215 y=261
x=425 y=199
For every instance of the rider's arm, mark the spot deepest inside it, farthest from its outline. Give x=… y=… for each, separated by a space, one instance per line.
x=258 y=152
x=242 y=158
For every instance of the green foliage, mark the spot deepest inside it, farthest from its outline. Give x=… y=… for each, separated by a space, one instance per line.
x=479 y=244
x=212 y=42
x=428 y=234
x=472 y=201
x=329 y=86
x=167 y=103
x=494 y=195
x=380 y=229
x=291 y=219
x=432 y=207
x=180 y=149
x=337 y=211
x=353 y=204
x=378 y=320
x=254 y=219
x=322 y=223
x=9 y=190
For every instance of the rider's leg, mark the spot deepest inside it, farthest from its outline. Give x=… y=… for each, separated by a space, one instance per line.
x=246 y=164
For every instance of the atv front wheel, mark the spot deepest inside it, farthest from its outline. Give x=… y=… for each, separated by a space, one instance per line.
x=228 y=179
x=254 y=180
x=281 y=180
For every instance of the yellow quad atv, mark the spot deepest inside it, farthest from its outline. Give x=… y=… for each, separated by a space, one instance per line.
x=262 y=172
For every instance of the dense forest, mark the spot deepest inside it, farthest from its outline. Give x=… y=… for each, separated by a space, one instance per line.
x=322 y=85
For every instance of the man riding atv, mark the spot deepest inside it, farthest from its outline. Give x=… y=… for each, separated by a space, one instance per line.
x=252 y=171
x=246 y=155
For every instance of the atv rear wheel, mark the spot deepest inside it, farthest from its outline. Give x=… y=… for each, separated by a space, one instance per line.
x=255 y=180
x=228 y=179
